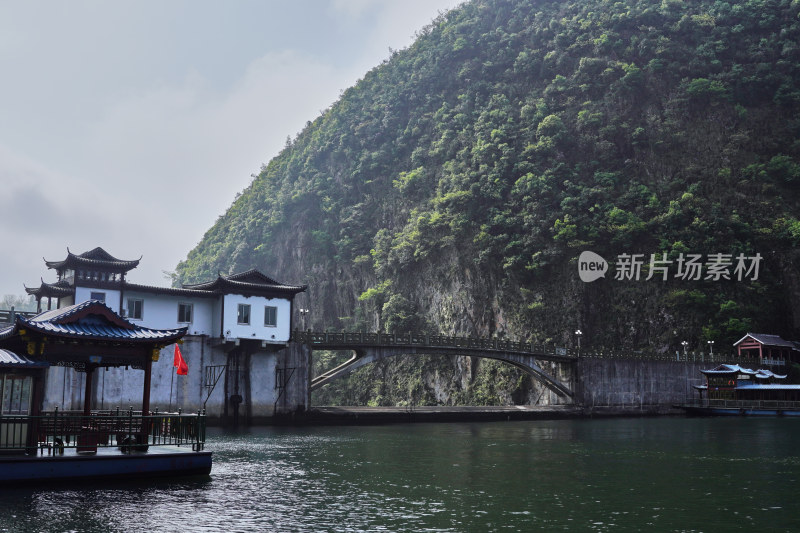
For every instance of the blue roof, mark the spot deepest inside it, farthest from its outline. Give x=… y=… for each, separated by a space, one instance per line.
x=767 y=386
x=10 y=359
x=736 y=369
x=91 y=319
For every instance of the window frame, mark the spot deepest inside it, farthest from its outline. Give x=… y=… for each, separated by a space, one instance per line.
x=185 y=305
x=98 y=295
x=274 y=310
x=240 y=314
x=129 y=312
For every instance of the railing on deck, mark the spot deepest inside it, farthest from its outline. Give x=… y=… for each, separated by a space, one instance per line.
x=766 y=405
x=129 y=430
x=350 y=339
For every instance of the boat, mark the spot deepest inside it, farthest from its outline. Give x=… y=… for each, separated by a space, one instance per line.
x=38 y=446
x=733 y=390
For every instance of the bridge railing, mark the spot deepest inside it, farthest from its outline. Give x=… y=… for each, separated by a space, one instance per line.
x=347 y=339
x=418 y=339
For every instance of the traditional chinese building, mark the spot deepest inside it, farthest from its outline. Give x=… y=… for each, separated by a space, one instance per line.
x=237 y=344
x=770 y=350
x=248 y=305
x=736 y=390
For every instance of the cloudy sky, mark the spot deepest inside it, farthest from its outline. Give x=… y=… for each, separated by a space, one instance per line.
x=132 y=125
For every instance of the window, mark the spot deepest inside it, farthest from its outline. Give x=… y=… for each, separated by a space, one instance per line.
x=243 y=315
x=184 y=313
x=15 y=394
x=98 y=296
x=270 y=316
x=135 y=308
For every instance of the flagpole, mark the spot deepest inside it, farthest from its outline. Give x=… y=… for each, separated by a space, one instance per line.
x=172 y=379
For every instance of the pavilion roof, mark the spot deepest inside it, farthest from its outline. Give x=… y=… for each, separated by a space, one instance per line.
x=55 y=290
x=96 y=258
x=90 y=320
x=769 y=340
x=251 y=282
x=761 y=373
x=9 y=359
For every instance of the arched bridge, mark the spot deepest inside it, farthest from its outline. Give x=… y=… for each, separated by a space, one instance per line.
x=371 y=347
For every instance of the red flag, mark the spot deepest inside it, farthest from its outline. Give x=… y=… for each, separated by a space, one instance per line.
x=183 y=368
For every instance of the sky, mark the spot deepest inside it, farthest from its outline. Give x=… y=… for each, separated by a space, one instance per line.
x=132 y=125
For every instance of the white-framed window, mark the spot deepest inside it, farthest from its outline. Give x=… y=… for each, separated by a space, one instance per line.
x=270 y=316
x=98 y=296
x=185 y=312
x=135 y=308
x=243 y=314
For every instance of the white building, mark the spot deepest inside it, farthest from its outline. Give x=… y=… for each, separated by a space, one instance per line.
x=248 y=305
x=242 y=364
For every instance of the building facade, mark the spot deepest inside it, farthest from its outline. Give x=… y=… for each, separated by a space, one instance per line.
x=242 y=366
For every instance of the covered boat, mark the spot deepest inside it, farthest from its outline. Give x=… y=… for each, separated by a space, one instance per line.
x=735 y=390
x=37 y=445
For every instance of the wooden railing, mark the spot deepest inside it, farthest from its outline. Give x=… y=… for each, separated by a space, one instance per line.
x=129 y=430
x=743 y=404
x=347 y=340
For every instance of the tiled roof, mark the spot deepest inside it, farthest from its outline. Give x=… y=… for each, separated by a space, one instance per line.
x=60 y=288
x=97 y=258
x=768 y=340
x=10 y=359
x=91 y=320
x=767 y=386
x=134 y=287
x=761 y=373
x=249 y=282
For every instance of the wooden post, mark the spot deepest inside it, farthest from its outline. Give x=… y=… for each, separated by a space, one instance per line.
x=148 y=370
x=87 y=395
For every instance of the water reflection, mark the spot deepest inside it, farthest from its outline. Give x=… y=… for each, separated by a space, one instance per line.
x=597 y=475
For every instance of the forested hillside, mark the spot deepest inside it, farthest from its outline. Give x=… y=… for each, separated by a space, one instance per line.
x=453 y=188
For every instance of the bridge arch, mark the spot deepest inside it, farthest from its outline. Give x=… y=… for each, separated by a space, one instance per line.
x=370 y=348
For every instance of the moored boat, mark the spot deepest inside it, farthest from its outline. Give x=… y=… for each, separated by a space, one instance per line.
x=738 y=391
x=42 y=446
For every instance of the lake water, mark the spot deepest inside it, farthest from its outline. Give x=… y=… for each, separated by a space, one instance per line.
x=655 y=474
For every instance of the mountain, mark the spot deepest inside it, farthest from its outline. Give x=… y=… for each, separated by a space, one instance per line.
x=454 y=187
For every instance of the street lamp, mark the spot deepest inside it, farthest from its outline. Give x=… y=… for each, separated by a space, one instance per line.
x=303 y=313
x=579 y=333
x=685 y=345
x=711 y=349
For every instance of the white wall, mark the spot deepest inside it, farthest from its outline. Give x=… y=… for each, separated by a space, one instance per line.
x=84 y=293
x=160 y=311
x=256 y=329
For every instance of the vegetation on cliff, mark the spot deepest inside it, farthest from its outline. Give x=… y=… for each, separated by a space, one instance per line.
x=453 y=187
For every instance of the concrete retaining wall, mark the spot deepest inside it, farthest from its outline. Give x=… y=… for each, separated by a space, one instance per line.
x=636 y=383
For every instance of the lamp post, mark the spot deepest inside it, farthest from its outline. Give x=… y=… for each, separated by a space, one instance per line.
x=579 y=333
x=303 y=313
x=685 y=345
x=711 y=350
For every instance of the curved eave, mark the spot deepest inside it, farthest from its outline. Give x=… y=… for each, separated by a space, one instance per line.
x=50 y=290
x=104 y=333
x=223 y=285
x=75 y=312
x=74 y=262
x=9 y=359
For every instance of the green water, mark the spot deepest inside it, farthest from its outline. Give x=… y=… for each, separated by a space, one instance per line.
x=668 y=474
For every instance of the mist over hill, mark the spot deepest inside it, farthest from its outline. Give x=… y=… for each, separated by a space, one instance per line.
x=453 y=188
